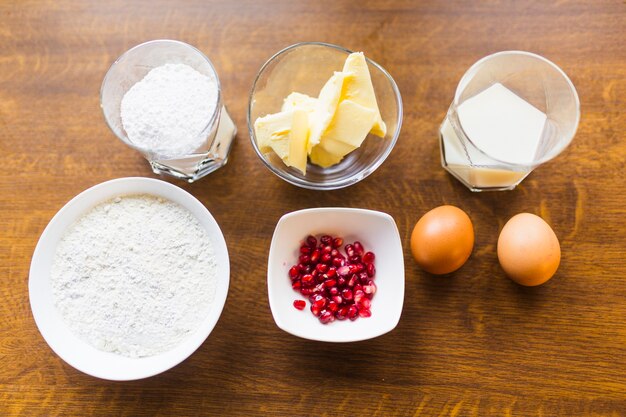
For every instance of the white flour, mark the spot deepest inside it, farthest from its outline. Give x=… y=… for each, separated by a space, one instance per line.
x=135 y=275
x=167 y=110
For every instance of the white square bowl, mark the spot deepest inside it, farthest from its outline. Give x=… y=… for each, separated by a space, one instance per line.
x=377 y=232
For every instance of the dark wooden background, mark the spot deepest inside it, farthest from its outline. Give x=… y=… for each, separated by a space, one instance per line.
x=472 y=344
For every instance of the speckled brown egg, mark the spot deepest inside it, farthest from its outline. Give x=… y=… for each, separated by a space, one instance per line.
x=528 y=250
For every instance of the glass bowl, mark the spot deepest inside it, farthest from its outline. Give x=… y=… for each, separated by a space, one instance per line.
x=305 y=68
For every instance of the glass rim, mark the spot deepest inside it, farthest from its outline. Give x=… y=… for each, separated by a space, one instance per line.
x=214 y=115
x=342 y=182
x=472 y=70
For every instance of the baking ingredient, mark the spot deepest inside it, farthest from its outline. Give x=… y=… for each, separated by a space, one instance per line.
x=528 y=250
x=300 y=101
x=319 y=156
x=350 y=126
x=135 y=275
x=442 y=240
x=501 y=124
x=166 y=112
x=298 y=140
x=338 y=286
x=286 y=133
x=326 y=105
x=273 y=132
x=338 y=119
x=359 y=89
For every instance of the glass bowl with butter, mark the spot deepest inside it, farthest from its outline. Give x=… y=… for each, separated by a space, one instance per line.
x=323 y=117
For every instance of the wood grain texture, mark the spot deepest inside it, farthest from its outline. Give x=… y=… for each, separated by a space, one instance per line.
x=473 y=344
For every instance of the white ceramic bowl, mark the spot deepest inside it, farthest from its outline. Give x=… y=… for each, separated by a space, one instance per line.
x=57 y=334
x=377 y=232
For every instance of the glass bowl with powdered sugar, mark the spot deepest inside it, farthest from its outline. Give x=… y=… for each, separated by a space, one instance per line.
x=163 y=99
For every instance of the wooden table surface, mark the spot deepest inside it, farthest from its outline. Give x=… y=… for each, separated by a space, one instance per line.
x=472 y=344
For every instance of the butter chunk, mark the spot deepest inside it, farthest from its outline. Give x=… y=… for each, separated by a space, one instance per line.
x=299 y=101
x=335 y=147
x=351 y=124
x=272 y=133
x=325 y=108
x=298 y=140
x=324 y=159
x=359 y=89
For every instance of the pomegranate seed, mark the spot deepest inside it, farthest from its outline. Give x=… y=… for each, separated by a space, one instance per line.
x=342 y=313
x=356 y=259
x=294 y=271
x=316 y=310
x=352 y=312
x=326 y=317
x=365 y=304
x=358 y=248
x=308 y=280
x=343 y=271
x=369 y=257
x=338 y=286
x=319 y=301
x=338 y=262
x=353 y=281
x=370 y=288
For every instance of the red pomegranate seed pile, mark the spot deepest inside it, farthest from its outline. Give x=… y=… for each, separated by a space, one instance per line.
x=338 y=286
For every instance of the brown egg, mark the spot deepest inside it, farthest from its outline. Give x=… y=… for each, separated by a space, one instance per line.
x=528 y=250
x=442 y=240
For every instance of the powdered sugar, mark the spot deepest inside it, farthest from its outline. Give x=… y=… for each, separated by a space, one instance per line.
x=135 y=275
x=167 y=110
